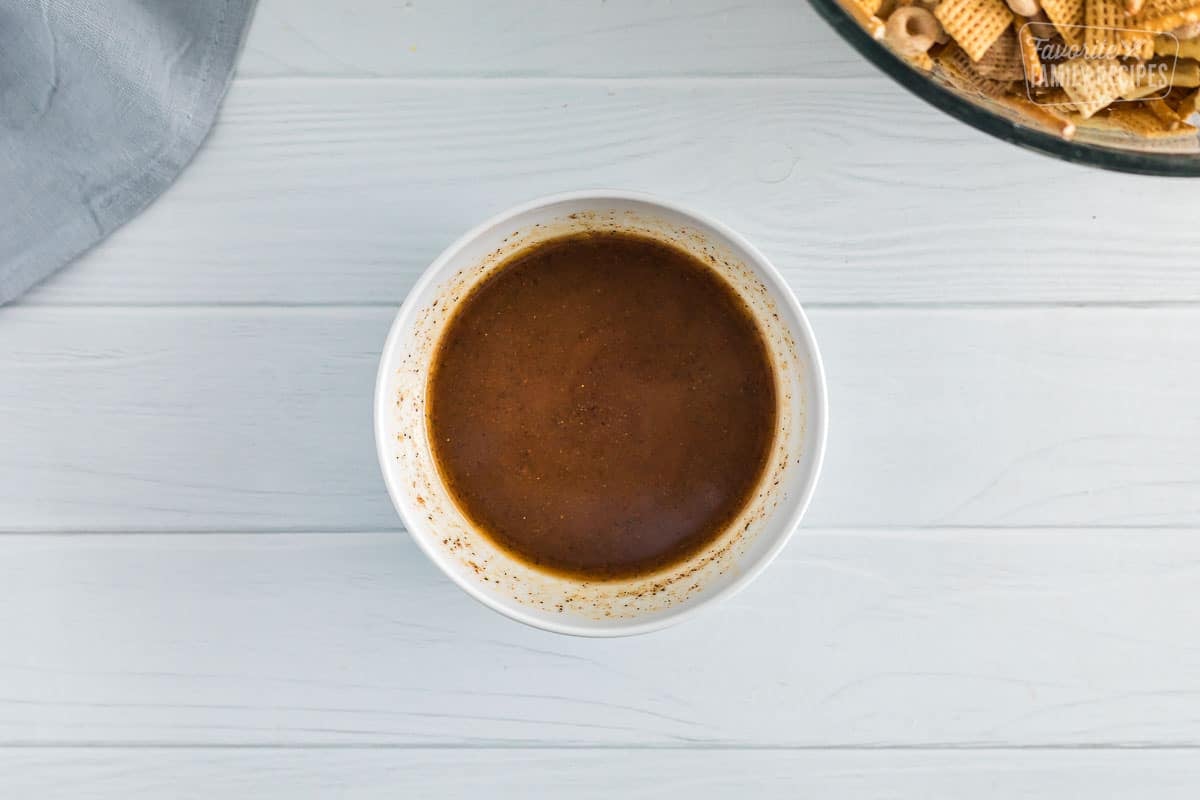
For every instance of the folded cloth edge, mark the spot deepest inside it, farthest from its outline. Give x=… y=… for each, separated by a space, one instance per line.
x=82 y=231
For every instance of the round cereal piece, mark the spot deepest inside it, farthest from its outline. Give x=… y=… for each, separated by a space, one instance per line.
x=911 y=30
x=1026 y=8
x=1189 y=31
x=931 y=6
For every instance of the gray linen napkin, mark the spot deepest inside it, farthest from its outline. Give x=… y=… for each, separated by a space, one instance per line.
x=102 y=104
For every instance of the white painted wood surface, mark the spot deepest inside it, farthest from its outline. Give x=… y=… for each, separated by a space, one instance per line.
x=250 y=418
x=553 y=774
x=204 y=591
x=854 y=638
x=535 y=38
x=324 y=191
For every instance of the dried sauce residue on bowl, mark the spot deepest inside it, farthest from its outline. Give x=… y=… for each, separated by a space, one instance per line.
x=494 y=566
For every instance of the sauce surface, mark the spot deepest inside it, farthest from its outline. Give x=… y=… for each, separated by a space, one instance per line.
x=601 y=406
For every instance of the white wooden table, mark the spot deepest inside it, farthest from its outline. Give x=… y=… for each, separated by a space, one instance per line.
x=204 y=591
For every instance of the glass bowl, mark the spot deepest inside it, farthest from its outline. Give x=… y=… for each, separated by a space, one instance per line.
x=1095 y=147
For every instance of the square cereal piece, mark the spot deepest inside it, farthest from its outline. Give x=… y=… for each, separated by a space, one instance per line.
x=1108 y=33
x=958 y=68
x=1068 y=19
x=1002 y=61
x=974 y=24
x=1092 y=84
x=861 y=11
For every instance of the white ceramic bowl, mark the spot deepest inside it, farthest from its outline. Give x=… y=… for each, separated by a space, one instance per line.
x=599 y=608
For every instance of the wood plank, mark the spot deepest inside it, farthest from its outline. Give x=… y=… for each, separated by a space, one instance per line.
x=51 y=774
x=853 y=638
x=260 y=419
x=343 y=191
x=543 y=38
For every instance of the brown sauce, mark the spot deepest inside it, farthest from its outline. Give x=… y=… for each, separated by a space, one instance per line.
x=602 y=405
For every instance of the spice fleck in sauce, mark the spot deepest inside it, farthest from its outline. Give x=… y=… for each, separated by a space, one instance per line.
x=602 y=405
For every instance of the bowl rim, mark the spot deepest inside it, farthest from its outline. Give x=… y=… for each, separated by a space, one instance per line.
x=1158 y=164
x=816 y=414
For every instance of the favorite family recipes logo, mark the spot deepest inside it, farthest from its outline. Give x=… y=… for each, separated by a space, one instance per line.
x=1087 y=67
